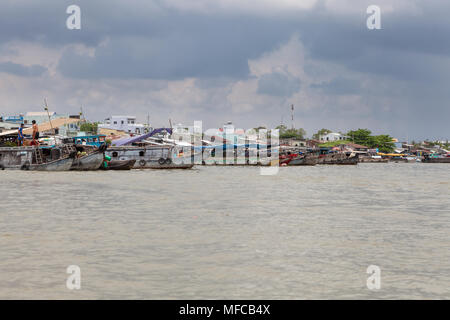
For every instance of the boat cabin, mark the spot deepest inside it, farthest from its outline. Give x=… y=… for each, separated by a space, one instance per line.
x=95 y=140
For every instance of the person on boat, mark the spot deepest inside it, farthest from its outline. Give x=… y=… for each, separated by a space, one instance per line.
x=20 y=137
x=35 y=133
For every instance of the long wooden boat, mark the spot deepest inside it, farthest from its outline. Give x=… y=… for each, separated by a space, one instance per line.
x=372 y=160
x=338 y=159
x=304 y=160
x=150 y=157
x=436 y=160
x=35 y=158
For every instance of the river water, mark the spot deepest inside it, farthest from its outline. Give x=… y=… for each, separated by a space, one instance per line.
x=227 y=233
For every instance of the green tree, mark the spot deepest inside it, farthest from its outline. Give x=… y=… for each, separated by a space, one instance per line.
x=259 y=128
x=291 y=133
x=282 y=128
x=321 y=132
x=361 y=136
x=89 y=127
x=384 y=143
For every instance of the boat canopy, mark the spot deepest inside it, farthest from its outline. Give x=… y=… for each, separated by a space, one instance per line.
x=130 y=140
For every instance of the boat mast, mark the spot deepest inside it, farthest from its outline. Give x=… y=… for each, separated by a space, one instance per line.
x=50 y=120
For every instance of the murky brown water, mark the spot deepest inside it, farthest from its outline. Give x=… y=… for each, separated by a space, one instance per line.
x=227 y=232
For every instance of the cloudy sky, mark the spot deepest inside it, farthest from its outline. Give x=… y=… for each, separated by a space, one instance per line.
x=244 y=61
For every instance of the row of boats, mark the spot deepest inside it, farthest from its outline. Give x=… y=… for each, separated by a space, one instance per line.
x=93 y=153
x=70 y=155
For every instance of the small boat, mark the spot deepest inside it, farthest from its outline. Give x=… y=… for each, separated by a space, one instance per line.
x=342 y=158
x=304 y=160
x=88 y=157
x=119 y=165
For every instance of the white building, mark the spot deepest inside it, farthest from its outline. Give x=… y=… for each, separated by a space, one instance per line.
x=127 y=124
x=332 y=136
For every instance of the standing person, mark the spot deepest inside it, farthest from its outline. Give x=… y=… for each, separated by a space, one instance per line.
x=20 y=136
x=35 y=133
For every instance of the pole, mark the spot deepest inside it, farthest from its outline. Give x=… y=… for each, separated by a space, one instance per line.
x=50 y=120
x=292 y=116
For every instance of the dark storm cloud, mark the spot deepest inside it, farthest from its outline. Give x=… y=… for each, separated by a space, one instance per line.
x=278 y=84
x=149 y=40
x=20 y=70
x=200 y=46
x=406 y=48
x=44 y=22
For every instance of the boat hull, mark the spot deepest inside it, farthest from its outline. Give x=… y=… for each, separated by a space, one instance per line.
x=89 y=162
x=304 y=161
x=149 y=157
x=436 y=160
x=23 y=158
x=57 y=165
x=338 y=159
x=120 y=165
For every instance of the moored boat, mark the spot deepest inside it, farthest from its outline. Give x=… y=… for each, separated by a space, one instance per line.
x=339 y=159
x=304 y=160
x=150 y=157
x=436 y=160
x=34 y=158
x=119 y=165
x=88 y=157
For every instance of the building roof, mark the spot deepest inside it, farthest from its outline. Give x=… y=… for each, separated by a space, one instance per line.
x=39 y=114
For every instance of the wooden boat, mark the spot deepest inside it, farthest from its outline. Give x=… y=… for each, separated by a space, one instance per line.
x=304 y=160
x=88 y=162
x=119 y=165
x=37 y=158
x=149 y=157
x=436 y=160
x=372 y=160
x=88 y=157
x=338 y=159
